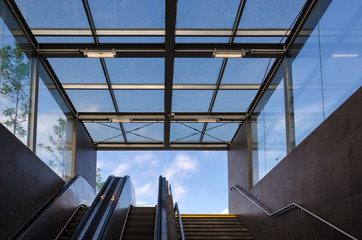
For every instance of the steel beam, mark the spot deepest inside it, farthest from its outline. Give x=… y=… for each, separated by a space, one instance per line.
x=160 y=117
x=159 y=50
x=70 y=32
x=161 y=86
x=106 y=146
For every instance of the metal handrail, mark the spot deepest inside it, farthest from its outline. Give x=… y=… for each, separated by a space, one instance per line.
x=177 y=210
x=287 y=208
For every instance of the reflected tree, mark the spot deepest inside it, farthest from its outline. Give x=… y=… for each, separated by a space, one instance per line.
x=56 y=146
x=99 y=181
x=15 y=77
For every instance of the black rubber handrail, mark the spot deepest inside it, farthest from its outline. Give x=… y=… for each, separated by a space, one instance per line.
x=161 y=223
x=43 y=208
x=125 y=220
x=287 y=208
x=93 y=207
x=108 y=218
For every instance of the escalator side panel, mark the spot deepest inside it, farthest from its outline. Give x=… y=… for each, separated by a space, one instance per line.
x=126 y=198
x=52 y=219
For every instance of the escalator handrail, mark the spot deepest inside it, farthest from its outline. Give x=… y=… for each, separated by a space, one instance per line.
x=161 y=224
x=125 y=221
x=94 y=205
x=108 y=218
x=44 y=207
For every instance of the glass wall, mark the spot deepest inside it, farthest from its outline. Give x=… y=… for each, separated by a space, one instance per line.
x=15 y=72
x=268 y=129
x=30 y=106
x=323 y=69
x=54 y=128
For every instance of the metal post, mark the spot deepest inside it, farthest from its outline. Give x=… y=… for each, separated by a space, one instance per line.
x=33 y=104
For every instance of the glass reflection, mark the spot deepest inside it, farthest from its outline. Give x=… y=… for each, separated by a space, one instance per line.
x=15 y=85
x=269 y=129
x=54 y=130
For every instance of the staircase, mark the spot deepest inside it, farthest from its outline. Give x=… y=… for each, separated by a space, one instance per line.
x=213 y=226
x=140 y=224
x=73 y=224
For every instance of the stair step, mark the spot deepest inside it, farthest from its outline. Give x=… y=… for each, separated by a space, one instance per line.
x=77 y=219
x=127 y=237
x=73 y=225
x=142 y=218
x=69 y=232
x=138 y=224
x=65 y=238
x=139 y=231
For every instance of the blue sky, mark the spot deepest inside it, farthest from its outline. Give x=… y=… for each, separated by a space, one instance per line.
x=198 y=178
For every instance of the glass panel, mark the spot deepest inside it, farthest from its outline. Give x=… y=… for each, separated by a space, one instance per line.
x=144 y=132
x=191 y=100
x=136 y=70
x=307 y=85
x=53 y=14
x=233 y=100
x=105 y=132
x=15 y=84
x=269 y=130
x=91 y=100
x=140 y=100
x=260 y=40
x=341 y=52
x=206 y=13
x=131 y=39
x=64 y=39
x=246 y=70
x=220 y=132
x=186 y=132
x=128 y=13
x=266 y=14
x=197 y=70
x=78 y=70
x=54 y=131
x=202 y=39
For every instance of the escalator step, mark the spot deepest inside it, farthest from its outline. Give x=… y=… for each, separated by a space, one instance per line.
x=65 y=238
x=139 y=224
x=139 y=231
x=77 y=219
x=137 y=237
x=142 y=218
x=69 y=232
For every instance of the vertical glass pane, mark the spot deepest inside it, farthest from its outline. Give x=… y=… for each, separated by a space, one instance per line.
x=341 y=52
x=269 y=130
x=54 y=131
x=307 y=82
x=15 y=84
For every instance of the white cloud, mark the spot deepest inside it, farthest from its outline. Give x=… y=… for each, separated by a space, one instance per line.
x=141 y=203
x=144 y=157
x=225 y=211
x=144 y=190
x=181 y=167
x=178 y=192
x=120 y=170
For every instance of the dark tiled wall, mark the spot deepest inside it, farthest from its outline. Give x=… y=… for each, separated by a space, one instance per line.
x=323 y=173
x=86 y=156
x=26 y=183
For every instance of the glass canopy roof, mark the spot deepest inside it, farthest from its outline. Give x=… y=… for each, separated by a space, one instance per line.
x=171 y=83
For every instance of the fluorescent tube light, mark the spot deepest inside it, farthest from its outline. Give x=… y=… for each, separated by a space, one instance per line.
x=229 y=54
x=344 y=55
x=100 y=54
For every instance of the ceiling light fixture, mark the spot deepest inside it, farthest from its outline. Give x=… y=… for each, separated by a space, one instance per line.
x=100 y=54
x=229 y=54
x=344 y=55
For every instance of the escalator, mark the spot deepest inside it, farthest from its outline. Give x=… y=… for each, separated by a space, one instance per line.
x=76 y=213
